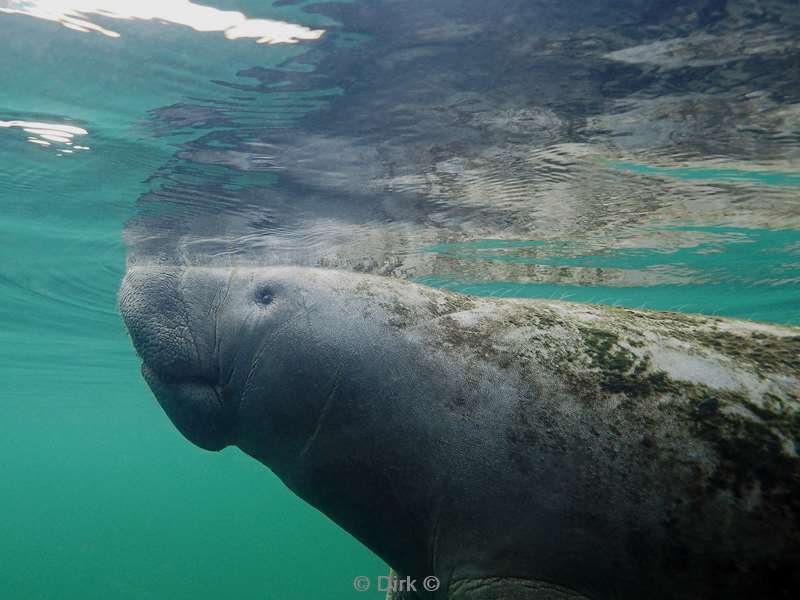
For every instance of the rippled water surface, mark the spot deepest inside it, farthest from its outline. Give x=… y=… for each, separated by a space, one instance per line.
x=637 y=152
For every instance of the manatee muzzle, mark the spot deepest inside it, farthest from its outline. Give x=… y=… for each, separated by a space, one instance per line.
x=196 y=407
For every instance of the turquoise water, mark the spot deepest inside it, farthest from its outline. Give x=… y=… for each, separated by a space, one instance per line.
x=718 y=174
x=100 y=497
x=732 y=272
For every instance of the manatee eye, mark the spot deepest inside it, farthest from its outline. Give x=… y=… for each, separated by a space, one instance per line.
x=264 y=296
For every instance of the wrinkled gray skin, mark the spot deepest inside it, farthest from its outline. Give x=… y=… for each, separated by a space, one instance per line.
x=513 y=449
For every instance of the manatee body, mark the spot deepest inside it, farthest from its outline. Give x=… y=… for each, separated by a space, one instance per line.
x=513 y=449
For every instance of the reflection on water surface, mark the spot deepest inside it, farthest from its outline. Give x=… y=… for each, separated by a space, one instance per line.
x=75 y=14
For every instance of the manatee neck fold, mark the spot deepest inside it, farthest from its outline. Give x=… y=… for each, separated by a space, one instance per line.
x=355 y=450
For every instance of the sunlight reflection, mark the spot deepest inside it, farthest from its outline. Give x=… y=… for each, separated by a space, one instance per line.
x=74 y=14
x=47 y=134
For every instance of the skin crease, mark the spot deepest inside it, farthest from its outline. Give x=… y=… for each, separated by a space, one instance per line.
x=475 y=438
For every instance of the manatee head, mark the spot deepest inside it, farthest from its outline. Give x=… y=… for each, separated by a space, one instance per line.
x=306 y=371
x=241 y=356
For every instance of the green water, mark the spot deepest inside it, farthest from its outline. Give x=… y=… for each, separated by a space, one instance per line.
x=743 y=273
x=772 y=178
x=100 y=497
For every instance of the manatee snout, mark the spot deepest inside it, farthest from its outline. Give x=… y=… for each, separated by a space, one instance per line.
x=172 y=321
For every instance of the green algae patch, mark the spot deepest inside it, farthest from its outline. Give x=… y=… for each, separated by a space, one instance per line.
x=751 y=451
x=768 y=353
x=620 y=370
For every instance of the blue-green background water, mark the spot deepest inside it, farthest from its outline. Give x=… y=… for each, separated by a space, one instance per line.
x=99 y=495
x=741 y=273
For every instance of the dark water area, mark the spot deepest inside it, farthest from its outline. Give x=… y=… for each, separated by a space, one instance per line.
x=637 y=153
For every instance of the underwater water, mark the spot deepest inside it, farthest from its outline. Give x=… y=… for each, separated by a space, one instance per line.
x=641 y=155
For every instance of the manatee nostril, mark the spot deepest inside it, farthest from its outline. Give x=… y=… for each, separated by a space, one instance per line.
x=264 y=296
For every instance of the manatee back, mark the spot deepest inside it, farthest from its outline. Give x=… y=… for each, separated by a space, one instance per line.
x=659 y=451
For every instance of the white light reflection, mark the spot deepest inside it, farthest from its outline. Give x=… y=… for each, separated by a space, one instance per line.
x=47 y=134
x=74 y=14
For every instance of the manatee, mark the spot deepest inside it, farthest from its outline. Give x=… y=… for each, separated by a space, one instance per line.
x=512 y=449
